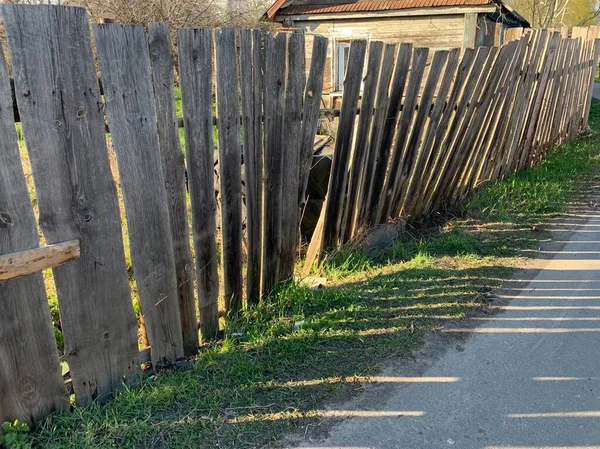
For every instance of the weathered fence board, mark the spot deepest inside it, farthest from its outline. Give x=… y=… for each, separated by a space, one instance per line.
x=195 y=67
x=312 y=100
x=230 y=158
x=62 y=118
x=125 y=66
x=31 y=385
x=334 y=203
x=363 y=134
x=251 y=84
x=173 y=166
x=292 y=145
x=398 y=156
x=383 y=142
x=274 y=107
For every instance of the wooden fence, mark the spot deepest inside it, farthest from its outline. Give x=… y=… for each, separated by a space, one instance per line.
x=261 y=78
x=480 y=116
x=407 y=150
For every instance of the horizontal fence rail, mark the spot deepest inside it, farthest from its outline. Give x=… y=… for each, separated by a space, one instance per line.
x=146 y=265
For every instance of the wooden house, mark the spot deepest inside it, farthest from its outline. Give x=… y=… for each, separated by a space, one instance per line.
x=437 y=24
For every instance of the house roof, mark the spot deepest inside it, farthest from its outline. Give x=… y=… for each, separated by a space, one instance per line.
x=306 y=7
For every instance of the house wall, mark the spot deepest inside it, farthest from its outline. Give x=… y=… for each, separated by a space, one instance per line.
x=435 y=32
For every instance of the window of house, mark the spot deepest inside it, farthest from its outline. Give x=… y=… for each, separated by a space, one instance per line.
x=343 y=50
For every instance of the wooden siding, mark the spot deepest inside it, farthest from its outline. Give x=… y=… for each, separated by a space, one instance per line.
x=435 y=32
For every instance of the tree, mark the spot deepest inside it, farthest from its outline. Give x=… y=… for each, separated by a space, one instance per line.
x=549 y=13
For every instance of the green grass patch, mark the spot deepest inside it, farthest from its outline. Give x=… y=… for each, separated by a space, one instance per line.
x=280 y=362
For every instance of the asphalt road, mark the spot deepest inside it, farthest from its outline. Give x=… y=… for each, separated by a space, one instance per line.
x=525 y=378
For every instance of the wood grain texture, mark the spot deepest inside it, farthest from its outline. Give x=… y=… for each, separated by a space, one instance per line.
x=343 y=146
x=292 y=136
x=29 y=261
x=230 y=166
x=127 y=79
x=31 y=385
x=62 y=118
x=195 y=49
x=274 y=106
x=161 y=58
x=251 y=84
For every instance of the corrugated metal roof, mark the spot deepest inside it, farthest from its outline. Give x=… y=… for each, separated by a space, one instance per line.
x=324 y=7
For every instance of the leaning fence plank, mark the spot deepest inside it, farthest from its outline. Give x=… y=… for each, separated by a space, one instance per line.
x=27 y=346
x=395 y=170
x=62 y=119
x=363 y=136
x=195 y=70
x=126 y=75
x=251 y=82
x=173 y=167
x=230 y=165
x=384 y=141
x=413 y=144
x=312 y=100
x=292 y=130
x=378 y=154
x=590 y=93
x=426 y=157
x=343 y=145
x=274 y=105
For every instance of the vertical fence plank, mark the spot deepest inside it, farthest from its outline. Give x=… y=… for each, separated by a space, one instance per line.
x=31 y=385
x=174 y=173
x=60 y=107
x=251 y=83
x=292 y=138
x=343 y=146
x=274 y=107
x=230 y=160
x=195 y=70
x=125 y=66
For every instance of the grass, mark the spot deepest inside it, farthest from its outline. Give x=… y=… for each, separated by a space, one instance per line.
x=279 y=363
